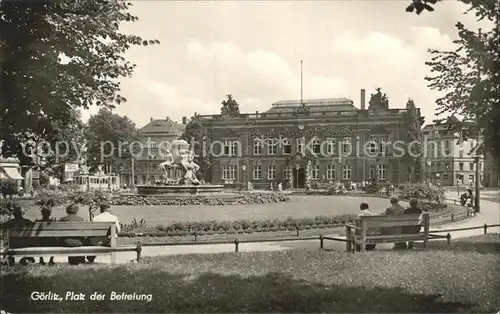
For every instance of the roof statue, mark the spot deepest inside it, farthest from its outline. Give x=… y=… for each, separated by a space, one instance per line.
x=378 y=100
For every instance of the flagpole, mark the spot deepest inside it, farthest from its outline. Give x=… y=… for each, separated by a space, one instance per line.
x=301 y=84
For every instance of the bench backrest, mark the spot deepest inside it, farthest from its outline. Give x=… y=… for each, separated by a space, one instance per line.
x=61 y=229
x=384 y=221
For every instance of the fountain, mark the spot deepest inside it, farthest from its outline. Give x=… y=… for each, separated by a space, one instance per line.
x=179 y=176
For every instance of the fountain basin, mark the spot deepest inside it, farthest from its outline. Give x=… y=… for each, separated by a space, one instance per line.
x=178 y=191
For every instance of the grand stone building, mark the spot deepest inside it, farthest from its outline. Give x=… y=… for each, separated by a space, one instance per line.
x=297 y=140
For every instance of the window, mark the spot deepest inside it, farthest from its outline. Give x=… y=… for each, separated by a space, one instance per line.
x=257 y=172
x=272 y=145
x=346 y=147
x=371 y=173
x=382 y=172
x=315 y=172
x=330 y=172
x=271 y=172
x=257 y=146
x=471 y=178
x=445 y=176
x=471 y=166
x=300 y=145
x=229 y=172
x=372 y=147
x=230 y=148
x=287 y=146
x=234 y=148
x=447 y=165
x=316 y=146
x=480 y=166
x=447 y=147
x=152 y=144
x=381 y=146
x=285 y=174
x=461 y=166
x=330 y=146
x=346 y=172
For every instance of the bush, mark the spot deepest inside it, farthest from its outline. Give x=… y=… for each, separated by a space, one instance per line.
x=229 y=227
x=249 y=198
x=422 y=192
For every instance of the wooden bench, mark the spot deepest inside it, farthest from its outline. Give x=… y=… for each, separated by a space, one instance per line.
x=58 y=230
x=364 y=234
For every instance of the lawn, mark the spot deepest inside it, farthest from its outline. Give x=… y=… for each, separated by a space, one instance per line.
x=462 y=279
x=297 y=207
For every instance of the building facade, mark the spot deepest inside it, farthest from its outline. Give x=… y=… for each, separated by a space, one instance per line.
x=144 y=165
x=448 y=158
x=492 y=171
x=325 y=140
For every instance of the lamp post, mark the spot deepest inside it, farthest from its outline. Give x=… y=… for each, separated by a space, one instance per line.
x=297 y=167
x=244 y=168
x=429 y=163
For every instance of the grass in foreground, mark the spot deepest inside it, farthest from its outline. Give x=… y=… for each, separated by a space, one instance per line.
x=290 y=281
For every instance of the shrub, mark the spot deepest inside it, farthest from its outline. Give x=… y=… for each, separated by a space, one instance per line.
x=422 y=192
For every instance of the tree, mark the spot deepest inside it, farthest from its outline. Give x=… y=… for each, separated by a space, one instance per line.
x=57 y=57
x=229 y=106
x=195 y=131
x=414 y=128
x=66 y=146
x=482 y=8
x=469 y=78
x=108 y=135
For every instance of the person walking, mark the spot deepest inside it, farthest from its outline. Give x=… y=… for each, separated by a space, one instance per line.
x=412 y=209
x=72 y=216
x=394 y=210
x=104 y=216
x=45 y=242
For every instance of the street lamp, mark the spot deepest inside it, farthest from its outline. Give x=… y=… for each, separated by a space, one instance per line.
x=297 y=167
x=429 y=163
x=244 y=168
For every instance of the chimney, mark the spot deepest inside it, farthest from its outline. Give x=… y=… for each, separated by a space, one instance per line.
x=257 y=113
x=184 y=120
x=167 y=118
x=150 y=119
x=363 y=96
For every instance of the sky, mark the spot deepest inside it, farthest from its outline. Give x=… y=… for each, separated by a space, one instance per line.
x=253 y=49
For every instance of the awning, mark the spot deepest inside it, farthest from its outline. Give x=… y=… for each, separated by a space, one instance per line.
x=12 y=173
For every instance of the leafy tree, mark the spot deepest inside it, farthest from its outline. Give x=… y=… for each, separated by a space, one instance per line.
x=229 y=106
x=57 y=57
x=107 y=135
x=195 y=131
x=469 y=77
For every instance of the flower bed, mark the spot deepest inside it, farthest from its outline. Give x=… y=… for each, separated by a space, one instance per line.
x=233 y=227
x=254 y=198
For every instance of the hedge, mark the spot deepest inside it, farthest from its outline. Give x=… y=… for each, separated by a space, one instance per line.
x=238 y=226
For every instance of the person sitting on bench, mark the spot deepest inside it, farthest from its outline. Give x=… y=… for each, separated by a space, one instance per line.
x=413 y=209
x=104 y=216
x=394 y=210
x=19 y=221
x=72 y=215
x=46 y=212
x=365 y=211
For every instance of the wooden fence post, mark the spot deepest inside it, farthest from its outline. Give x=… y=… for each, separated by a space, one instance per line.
x=195 y=236
x=321 y=241
x=485 y=228
x=236 y=244
x=448 y=239
x=452 y=217
x=298 y=232
x=138 y=250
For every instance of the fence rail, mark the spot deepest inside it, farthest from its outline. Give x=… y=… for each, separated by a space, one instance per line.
x=237 y=242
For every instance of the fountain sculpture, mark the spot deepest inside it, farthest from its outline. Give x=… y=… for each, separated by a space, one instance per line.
x=179 y=175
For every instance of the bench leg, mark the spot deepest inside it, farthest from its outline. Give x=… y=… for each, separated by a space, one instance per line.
x=348 y=246
x=426 y=243
x=113 y=257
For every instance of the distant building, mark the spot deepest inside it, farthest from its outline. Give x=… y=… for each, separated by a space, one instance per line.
x=11 y=179
x=151 y=136
x=448 y=158
x=491 y=171
x=289 y=126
